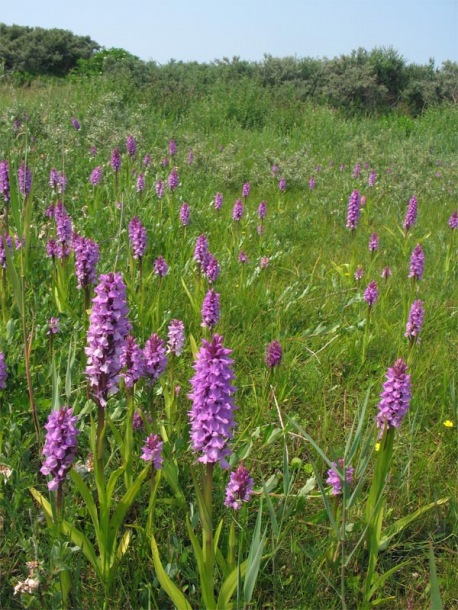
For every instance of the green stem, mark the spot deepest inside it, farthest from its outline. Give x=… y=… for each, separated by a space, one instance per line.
x=6 y=218
x=231 y=547
x=154 y=485
x=449 y=253
x=207 y=526
x=366 y=335
x=64 y=584
x=207 y=532
x=374 y=508
x=27 y=349
x=342 y=540
x=128 y=439
x=100 y=437
x=59 y=502
x=87 y=298
x=4 y=292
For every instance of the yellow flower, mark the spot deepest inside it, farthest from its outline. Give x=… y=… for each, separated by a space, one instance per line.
x=377 y=446
x=448 y=423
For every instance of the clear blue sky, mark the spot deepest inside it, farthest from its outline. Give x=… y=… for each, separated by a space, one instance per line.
x=204 y=30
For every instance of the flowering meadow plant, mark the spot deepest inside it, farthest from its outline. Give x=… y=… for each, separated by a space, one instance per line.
x=109 y=327
x=417 y=263
x=239 y=489
x=4 y=181
x=274 y=354
x=334 y=478
x=395 y=398
x=3 y=372
x=60 y=446
x=353 y=210
x=411 y=214
x=212 y=413
x=122 y=268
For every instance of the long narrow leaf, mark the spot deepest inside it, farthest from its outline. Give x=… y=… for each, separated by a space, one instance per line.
x=254 y=558
x=317 y=448
x=229 y=585
x=55 y=387
x=123 y=545
x=15 y=203
x=114 y=476
x=167 y=584
x=86 y=494
x=126 y=501
x=380 y=581
x=14 y=279
x=252 y=570
x=170 y=474
x=75 y=535
x=68 y=374
x=325 y=497
x=436 y=601
x=273 y=516
x=206 y=583
x=189 y=295
x=352 y=448
x=400 y=524
x=198 y=553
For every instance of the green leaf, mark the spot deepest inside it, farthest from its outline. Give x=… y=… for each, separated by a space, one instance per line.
x=126 y=502
x=68 y=374
x=216 y=535
x=194 y=346
x=436 y=601
x=206 y=582
x=229 y=585
x=86 y=494
x=75 y=535
x=287 y=481
x=400 y=524
x=98 y=476
x=123 y=545
x=170 y=474
x=382 y=601
x=14 y=280
x=55 y=387
x=381 y=469
x=309 y=486
x=199 y=555
x=222 y=563
x=380 y=580
x=117 y=435
x=352 y=447
x=174 y=593
x=114 y=476
x=254 y=558
x=15 y=203
x=189 y=295
x=317 y=448
x=325 y=498
x=273 y=516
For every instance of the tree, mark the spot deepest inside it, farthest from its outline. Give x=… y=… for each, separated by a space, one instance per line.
x=39 y=51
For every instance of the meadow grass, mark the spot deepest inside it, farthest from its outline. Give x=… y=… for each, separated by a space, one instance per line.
x=306 y=297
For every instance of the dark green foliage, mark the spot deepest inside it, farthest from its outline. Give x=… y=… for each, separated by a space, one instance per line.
x=364 y=82
x=38 y=51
